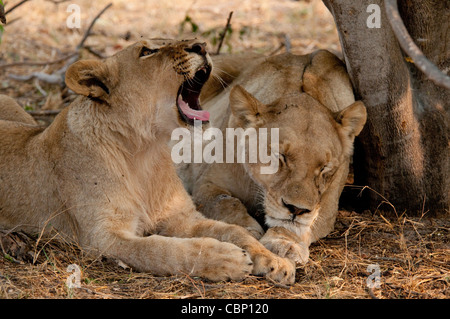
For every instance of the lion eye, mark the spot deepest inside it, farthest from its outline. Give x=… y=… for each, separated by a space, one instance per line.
x=146 y=51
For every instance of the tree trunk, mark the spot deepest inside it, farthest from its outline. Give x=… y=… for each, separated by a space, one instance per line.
x=403 y=152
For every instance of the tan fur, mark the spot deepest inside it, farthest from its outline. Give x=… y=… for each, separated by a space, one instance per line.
x=11 y=111
x=101 y=174
x=310 y=99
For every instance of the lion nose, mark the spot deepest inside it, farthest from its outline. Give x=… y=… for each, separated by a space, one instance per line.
x=297 y=211
x=199 y=48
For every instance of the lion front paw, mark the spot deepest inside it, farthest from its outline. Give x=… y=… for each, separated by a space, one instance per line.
x=220 y=261
x=280 y=270
x=297 y=252
x=286 y=244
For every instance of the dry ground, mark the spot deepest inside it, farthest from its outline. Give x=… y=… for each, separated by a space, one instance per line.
x=413 y=254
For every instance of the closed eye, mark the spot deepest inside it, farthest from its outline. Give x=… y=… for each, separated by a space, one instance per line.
x=147 y=51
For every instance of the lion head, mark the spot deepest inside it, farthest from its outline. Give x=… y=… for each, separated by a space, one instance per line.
x=151 y=78
x=313 y=150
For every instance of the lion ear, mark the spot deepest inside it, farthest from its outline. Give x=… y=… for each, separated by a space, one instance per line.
x=352 y=119
x=89 y=78
x=244 y=106
x=326 y=79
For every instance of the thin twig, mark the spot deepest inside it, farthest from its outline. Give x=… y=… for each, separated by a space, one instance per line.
x=392 y=259
x=277 y=284
x=407 y=43
x=201 y=293
x=224 y=32
x=15 y=6
x=88 y=31
x=385 y=200
x=3 y=13
x=94 y=52
x=281 y=46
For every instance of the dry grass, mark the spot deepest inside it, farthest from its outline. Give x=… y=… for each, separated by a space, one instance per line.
x=412 y=253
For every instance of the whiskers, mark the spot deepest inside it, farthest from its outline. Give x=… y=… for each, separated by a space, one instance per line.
x=259 y=192
x=220 y=80
x=316 y=221
x=217 y=74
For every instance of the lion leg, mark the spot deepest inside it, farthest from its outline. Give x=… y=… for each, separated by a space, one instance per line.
x=264 y=262
x=217 y=203
x=11 y=111
x=159 y=255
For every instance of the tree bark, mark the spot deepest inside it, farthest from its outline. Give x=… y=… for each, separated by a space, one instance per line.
x=403 y=152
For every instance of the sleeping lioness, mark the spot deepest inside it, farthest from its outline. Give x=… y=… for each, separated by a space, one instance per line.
x=309 y=99
x=101 y=174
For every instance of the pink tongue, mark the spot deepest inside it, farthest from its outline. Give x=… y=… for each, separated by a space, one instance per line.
x=190 y=113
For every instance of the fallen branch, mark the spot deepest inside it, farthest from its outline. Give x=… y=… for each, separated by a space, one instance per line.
x=57 y=1
x=54 y=78
x=3 y=13
x=4 y=66
x=224 y=32
x=287 y=43
x=407 y=43
x=58 y=76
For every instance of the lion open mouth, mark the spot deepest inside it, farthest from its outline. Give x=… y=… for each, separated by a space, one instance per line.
x=188 y=103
